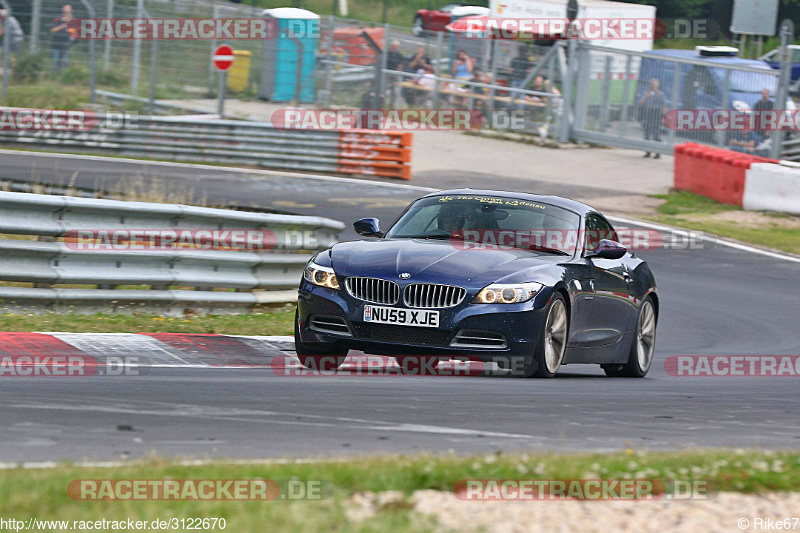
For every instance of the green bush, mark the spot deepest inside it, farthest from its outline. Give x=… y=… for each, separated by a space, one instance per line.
x=28 y=67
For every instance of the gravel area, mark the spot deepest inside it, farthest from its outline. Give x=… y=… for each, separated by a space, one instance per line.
x=720 y=514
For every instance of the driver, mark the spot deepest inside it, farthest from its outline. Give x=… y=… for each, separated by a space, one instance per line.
x=454 y=218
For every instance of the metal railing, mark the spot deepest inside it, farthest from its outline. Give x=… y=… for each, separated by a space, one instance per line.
x=228 y=141
x=126 y=277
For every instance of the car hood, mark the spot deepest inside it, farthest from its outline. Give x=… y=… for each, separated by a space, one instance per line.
x=442 y=262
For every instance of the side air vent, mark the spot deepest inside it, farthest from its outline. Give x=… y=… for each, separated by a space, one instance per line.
x=476 y=338
x=329 y=324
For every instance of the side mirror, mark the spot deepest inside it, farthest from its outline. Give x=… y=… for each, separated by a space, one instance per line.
x=368 y=227
x=608 y=249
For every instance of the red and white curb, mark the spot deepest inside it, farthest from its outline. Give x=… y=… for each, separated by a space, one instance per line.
x=157 y=349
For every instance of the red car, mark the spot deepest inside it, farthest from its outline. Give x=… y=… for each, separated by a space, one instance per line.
x=436 y=19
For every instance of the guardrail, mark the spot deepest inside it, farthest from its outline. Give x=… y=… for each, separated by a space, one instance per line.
x=175 y=278
x=368 y=152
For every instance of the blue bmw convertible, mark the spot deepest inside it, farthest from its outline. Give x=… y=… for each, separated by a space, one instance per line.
x=528 y=282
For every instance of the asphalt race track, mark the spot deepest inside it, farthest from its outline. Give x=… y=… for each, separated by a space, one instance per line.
x=212 y=398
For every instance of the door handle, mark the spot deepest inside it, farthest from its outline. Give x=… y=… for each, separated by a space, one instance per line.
x=627 y=277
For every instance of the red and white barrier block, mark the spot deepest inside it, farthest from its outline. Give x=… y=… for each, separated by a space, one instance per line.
x=771 y=187
x=751 y=182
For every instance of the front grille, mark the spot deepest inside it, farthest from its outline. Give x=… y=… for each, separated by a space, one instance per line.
x=374 y=290
x=476 y=338
x=402 y=334
x=431 y=295
x=329 y=324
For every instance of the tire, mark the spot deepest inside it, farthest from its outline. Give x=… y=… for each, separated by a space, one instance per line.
x=643 y=345
x=552 y=343
x=322 y=359
x=415 y=365
x=418 y=27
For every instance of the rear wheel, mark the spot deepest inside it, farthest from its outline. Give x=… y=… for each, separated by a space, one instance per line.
x=316 y=358
x=642 y=347
x=552 y=344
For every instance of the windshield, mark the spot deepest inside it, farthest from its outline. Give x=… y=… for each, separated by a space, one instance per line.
x=490 y=219
x=750 y=82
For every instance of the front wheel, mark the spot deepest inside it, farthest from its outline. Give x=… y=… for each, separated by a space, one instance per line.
x=323 y=359
x=552 y=343
x=642 y=346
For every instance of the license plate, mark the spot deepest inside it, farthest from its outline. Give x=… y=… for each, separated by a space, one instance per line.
x=401 y=317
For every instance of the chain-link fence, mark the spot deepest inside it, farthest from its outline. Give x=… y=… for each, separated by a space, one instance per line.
x=569 y=89
x=657 y=99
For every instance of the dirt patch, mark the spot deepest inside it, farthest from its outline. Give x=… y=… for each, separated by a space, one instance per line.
x=625 y=205
x=721 y=513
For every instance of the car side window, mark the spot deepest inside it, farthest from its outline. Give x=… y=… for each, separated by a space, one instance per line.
x=598 y=228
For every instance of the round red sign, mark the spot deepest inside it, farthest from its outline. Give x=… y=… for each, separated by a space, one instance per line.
x=223 y=57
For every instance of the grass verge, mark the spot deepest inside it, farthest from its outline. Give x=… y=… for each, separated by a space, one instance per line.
x=41 y=493
x=687 y=210
x=277 y=321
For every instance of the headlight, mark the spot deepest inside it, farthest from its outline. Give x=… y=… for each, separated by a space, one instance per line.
x=320 y=275
x=500 y=293
x=739 y=105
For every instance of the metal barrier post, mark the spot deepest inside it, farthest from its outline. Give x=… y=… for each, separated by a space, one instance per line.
x=721 y=135
x=137 y=51
x=92 y=57
x=582 y=69
x=211 y=68
x=438 y=69
x=36 y=21
x=784 y=79
x=153 y=67
x=6 y=48
x=494 y=77
x=626 y=95
x=325 y=97
x=605 y=94
x=676 y=87
x=568 y=83
x=107 y=44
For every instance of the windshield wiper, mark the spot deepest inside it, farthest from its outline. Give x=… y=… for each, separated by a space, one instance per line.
x=547 y=250
x=435 y=236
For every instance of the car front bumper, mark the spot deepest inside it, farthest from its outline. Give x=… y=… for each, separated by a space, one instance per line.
x=509 y=329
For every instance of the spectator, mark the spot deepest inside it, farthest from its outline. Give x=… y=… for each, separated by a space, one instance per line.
x=15 y=33
x=61 y=38
x=418 y=61
x=652 y=108
x=760 y=108
x=479 y=77
x=744 y=140
x=462 y=66
x=394 y=59
x=520 y=67
x=427 y=84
